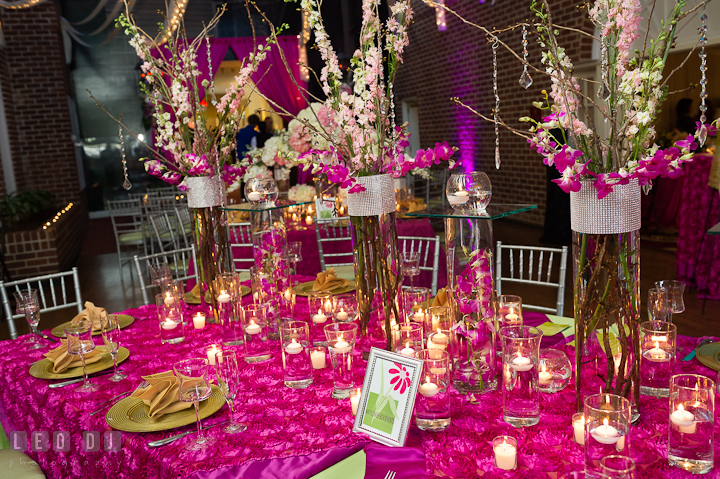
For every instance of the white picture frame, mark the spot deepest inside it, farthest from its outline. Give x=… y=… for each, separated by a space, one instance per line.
x=389 y=422
x=325 y=208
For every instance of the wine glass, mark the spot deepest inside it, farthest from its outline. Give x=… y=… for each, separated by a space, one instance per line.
x=675 y=290
x=111 y=338
x=160 y=274
x=295 y=254
x=79 y=343
x=411 y=265
x=28 y=304
x=228 y=375
x=194 y=388
x=657 y=306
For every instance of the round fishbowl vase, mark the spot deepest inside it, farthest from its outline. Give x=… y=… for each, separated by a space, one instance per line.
x=469 y=191
x=261 y=191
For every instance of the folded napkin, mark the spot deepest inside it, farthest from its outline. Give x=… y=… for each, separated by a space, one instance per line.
x=196 y=290
x=62 y=360
x=93 y=313
x=162 y=394
x=440 y=298
x=328 y=281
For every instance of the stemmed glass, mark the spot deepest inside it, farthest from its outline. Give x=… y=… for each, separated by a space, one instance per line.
x=657 y=306
x=228 y=375
x=160 y=274
x=27 y=304
x=294 y=254
x=675 y=290
x=194 y=388
x=79 y=343
x=411 y=265
x=111 y=338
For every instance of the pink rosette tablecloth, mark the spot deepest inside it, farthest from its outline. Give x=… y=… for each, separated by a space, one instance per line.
x=298 y=433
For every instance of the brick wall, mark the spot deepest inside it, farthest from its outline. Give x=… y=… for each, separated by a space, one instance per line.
x=35 y=91
x=458 y=63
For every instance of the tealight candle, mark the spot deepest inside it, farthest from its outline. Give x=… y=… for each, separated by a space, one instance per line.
x=342 y=315
x=459 y=198
x=199 y=321
x=223 y=297
x=317 y=357
x=341 y=346
x=320 y=317
x=308 y=220
x=685 y=420
x=169 y=300
x=211 y=351
x=419 y=316
x=579 y=430
x=254 y=196
x=511 y=317
x=440 y=337
x=429 y=389
x=328 y=306
x=545 y=377
x=606 y=434
x=521 y=363
x=294 y=347
x=253 y=328
x=355 y=401
x=408 y=351
x=169 y=324
x=505 y=456
x=657 y=354
x=288 y=295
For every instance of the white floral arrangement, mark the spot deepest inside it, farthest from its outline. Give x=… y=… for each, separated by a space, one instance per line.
x=301 y=193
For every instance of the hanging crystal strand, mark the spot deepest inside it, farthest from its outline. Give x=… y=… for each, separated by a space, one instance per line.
x=212 y=80
x=497 y=103
x=525 y=79
x=126 y=184
x=702 y=133
x=604 y=90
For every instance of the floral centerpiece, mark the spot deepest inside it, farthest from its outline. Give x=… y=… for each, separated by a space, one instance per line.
x=354 y=140
x=275 y=158
x=603 y=147
x=190 y=150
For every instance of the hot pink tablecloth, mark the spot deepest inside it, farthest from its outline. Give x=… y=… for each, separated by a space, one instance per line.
x=296 y=433
x=697 y=264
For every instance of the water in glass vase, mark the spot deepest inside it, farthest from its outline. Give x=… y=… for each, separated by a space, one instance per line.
x=520 y=395
x=432 y=409
x=655 y=372
x=690 y=441
x=342 y=373
x=604 y=439
x=297 y=368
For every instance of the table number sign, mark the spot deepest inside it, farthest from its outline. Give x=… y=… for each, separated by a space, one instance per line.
x=325 y=208
x=388 y=397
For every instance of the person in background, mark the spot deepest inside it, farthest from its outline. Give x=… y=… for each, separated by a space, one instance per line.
x=246 y=136
x=269 y=126
x=685 y=122
x=264 y=135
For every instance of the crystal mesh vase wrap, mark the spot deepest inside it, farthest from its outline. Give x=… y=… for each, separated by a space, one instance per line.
x=618 y=212
x=204 y=191
x=377 y=199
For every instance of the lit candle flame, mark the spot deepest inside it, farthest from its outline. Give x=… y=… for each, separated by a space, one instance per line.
x=407 y=345
x=605 y=422
x=657 y=345
x=681 y=408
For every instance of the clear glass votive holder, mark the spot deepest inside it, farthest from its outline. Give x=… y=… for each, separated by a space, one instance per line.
x=657 y=307
x=318 y=357
x=508 y=312
x=345 y=308
x=415 y=301
x=438 y=317
x=295 y=344
x=692 y=418
x=578 y=424
x=286 y=303
x=675 y=290
x=618 y=467
x=505 y=451
x=172 y=328
x=272 y=316
x=256 y=341
x=432 y=406
x=320 y=307
x=658 y=340
x=341 y=341
x=408 y=339
x=168 y=304
x=439 y=339
x=257 y=280
x=555 y=371
x=473 y=358
x=521 y=356
x=607 y=429
x=231 y=314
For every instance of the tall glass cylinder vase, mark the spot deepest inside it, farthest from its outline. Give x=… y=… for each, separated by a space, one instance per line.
x=206 y=198
x=375 y=253
x=606 y=280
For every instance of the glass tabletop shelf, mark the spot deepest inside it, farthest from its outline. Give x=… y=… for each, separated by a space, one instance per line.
x=492 y=212
x=278 y=205
x=715 y=230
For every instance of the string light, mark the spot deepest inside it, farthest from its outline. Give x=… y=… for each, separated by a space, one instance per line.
x=303 y=38
x=440 y=15
x=18 y=5
x=57 y=216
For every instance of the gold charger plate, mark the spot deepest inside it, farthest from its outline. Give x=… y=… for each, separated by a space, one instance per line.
x=708 y=355
x=43 y=369
x=131 y=414
x=304 y=289
x=190 y=299
x=123 y=319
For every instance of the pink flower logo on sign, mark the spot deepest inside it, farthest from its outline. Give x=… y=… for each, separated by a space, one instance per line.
x=401 y=378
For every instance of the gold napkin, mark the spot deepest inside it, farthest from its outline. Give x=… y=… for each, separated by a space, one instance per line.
x=328 y=281
x=62 y=360
x=93 y=313
x=440 y=298
x=196 y=290
x=161 y=394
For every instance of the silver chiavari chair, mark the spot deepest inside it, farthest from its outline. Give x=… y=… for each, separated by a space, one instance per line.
x=179 y=261
x=429 y=249
x=129 y=229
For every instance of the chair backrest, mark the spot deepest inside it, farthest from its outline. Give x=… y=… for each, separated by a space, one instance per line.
x=52 y=293
x=335 y=232
x=160 y=204
x=240 y=235
x=179 y=261
x=429 y=249
x=126 y=217
x=184 y=225
x=163 y=231
x=541 y=275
